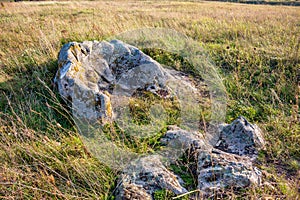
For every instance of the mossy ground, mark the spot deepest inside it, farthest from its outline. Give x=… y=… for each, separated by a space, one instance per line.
x=255 y=49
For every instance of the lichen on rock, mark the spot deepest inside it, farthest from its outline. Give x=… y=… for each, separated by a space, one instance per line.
x=148 y=174
x=101 y=69
x=241 y=138
x=100 y=78
x=220 y=170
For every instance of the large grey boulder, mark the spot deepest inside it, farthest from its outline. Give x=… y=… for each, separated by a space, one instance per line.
x=89 y=72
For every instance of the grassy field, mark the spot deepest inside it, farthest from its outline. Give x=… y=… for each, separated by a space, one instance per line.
x=255 y=48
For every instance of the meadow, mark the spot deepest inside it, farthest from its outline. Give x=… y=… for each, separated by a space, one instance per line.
x=256 y=49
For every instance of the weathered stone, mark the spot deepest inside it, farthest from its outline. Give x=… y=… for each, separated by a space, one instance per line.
x=90 y=72
x=241 y=138
x=149 y=175
x=220 y=170
x=97 y=76
x=177 y=142
x=129 y=191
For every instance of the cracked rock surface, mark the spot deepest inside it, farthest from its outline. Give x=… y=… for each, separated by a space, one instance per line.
x=216 y=169
x=230 y=164
x=89 y=72
x=221 y=170
x=148 y=174
x=241 y=138
x=178 y=141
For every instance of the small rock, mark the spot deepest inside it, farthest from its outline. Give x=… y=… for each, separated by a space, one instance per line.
x=220 y=170
x=129 y=191
x=178 y=141
x=241 y=138
x=145 y=176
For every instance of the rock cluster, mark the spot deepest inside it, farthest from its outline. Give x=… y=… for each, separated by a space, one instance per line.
x=90 y=72
x=216 y=169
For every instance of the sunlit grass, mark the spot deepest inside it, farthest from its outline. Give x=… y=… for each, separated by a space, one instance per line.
x=255 y=48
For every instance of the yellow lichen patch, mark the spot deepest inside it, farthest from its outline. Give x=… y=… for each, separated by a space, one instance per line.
x=80 y=77
x=74 y=47
x=108 y=107
x=106 y=93
x=77 y=66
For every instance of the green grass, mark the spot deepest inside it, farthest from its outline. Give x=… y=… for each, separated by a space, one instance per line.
x=255 y=49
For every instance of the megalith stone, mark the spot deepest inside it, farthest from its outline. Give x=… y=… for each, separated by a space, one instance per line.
x=91 y=71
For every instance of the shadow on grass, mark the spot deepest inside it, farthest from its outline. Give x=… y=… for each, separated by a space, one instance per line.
x=30 y=95
x=41 y=154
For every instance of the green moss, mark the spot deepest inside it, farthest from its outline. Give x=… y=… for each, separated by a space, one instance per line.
x=141 y=103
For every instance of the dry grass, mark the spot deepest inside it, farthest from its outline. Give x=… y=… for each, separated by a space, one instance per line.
x=256 y=49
